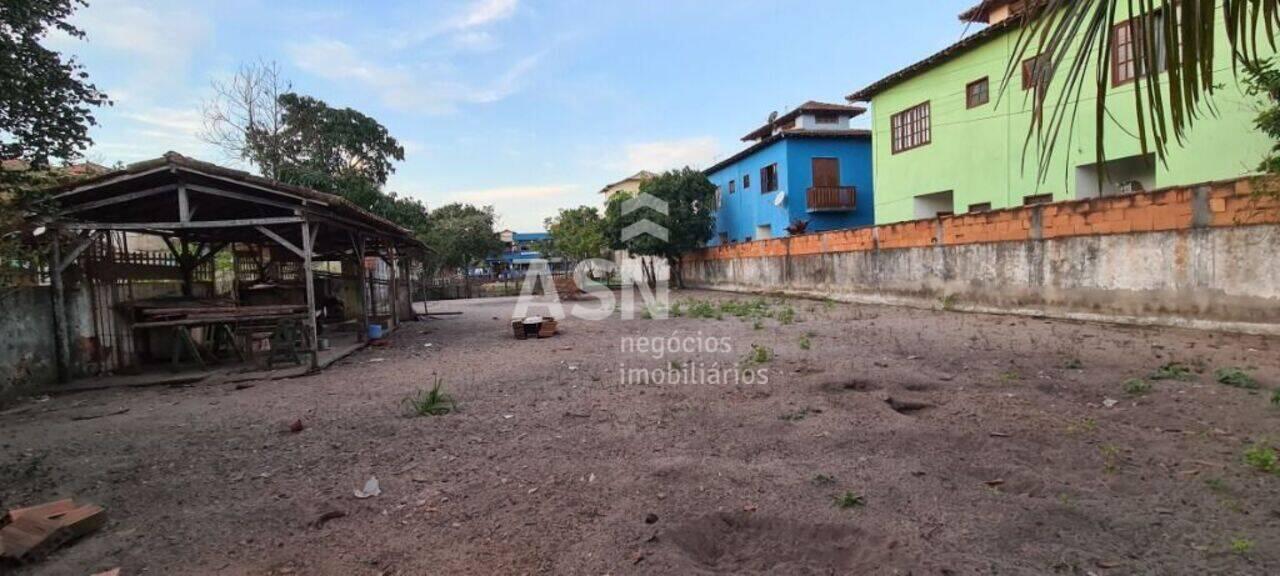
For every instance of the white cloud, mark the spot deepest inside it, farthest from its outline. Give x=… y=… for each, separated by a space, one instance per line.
x=157 y=38
x=482 y=12
x=426 y=88
x=670 y=154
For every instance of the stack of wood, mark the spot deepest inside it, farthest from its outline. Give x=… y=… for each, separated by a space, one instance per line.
x=154 y=317
x=30 y=533
x=534 y=326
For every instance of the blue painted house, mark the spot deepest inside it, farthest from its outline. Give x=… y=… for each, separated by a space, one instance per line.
x=805 y=171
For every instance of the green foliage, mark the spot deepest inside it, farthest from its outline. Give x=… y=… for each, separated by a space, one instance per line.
x=759 y=355
x=46 y=102
x=1275 y=398
x=1241 y=546
x=1236 y=378
x=690 y=218
x=1110 y=458
x=1073 y=364
x=849 y=501
x=1262 y=78
x=433 y=402
x=339 y=143
x=805 y=343
x=1174 y=371
x=461 y=235
x=1136 y=387
x=799 y=415
x=578 y=233
x=1262 y=457
x=703 y=310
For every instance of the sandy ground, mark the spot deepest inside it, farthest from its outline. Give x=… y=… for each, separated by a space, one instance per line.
x=967 y=444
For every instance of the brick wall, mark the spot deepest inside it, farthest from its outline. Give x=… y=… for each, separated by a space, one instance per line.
x=1216 y=204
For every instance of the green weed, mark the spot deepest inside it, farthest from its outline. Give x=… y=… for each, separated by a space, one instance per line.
x=1073 y=364
x=823 y=480
x=1110 y=458
x=433 y=402
x=1136 y=387
x=1275 y=398
x=759 y=355
x=1236 y=378
x=1241 y=546
x=787 y=315
x=805 y=343
x=1262 y=457
x=758 y=325
x=1174 y=371
x=849 y=501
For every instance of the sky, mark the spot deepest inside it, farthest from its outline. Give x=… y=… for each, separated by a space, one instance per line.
x=526 y=105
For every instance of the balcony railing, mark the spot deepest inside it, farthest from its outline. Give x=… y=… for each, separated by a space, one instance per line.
x=833 y=198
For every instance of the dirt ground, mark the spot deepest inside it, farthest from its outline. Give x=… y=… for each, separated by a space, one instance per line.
x=960 y=444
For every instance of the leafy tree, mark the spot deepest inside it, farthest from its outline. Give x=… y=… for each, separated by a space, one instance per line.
x=1264 y=79
x=46 y=110
x=1075 y=39
x=46 y=102
x=319 y=141
x=690 y=218
x=460 y=236
x=577 y=233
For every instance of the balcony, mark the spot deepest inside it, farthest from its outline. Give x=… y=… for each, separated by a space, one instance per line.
x=833 y=199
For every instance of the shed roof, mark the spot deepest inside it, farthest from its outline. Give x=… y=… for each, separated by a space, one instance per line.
x=222 y=204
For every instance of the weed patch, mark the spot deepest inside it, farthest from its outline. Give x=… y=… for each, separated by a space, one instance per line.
x=1137 y=387
x=1236 y=378
x=849 y=501
x=1262 y=457
x=1174 y=371
x=759 y=355
x=433 y=402
x=805 y=343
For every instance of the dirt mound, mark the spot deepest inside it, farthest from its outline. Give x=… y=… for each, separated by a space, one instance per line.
x=748 y=544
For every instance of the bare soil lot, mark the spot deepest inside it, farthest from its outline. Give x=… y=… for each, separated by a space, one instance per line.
x=958 y=444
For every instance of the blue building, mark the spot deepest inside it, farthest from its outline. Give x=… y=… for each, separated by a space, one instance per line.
x=806 y=171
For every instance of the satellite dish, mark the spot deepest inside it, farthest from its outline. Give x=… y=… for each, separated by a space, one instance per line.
x=780 y=199
x=773 y=117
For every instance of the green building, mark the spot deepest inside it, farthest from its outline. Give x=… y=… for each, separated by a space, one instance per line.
x=946 y=140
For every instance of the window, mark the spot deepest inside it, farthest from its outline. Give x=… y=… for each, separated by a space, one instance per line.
x=983 y=207
x=719 y=196
x=1127 y=56
x=733 y=186
x=769 y=179
x=1035 y=72
x=1037 y=199
x=746 y=181
x=826 y=118
x=911 y=128
x=977 y=93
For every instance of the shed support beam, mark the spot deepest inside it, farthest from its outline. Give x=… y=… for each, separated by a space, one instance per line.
x=301 y=252
x=395 y=288
x=309 y=278
x=61 y=338
x=203 y=224
x=362 y=285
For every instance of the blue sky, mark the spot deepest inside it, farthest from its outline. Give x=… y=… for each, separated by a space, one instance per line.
x=526 y=105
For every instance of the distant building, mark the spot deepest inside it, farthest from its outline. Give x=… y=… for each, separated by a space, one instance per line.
x=521 y=249
x=630 y=185
x=807 y=169
x=947 y=141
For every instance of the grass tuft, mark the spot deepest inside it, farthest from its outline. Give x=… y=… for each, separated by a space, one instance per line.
x=759 y=355
x=1136 y=387
x=849 y=501
x=1262 y=457
x=1174 y=371
x=433 y=402
x=805 y=343
x=1236 y=378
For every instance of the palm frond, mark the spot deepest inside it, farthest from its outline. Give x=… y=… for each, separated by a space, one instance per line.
x=1071 y=38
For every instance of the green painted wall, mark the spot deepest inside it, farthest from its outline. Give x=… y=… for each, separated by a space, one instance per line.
x=978 y=154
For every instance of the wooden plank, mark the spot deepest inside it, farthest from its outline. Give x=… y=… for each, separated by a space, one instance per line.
x=287 y=244
x=117 y=179
x=184 y=205
x=309 y=278
x=119 y=199
x=242 y=197
x=254 y=186
x=78 y=250
x=205 y=224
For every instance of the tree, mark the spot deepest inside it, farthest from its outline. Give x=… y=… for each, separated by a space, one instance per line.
x=577 y=233
x=1070 y=35
x=248 y=106
x=319 y=141
x=46 y=110
x=1264 y=79
x=689 y=221
x=459 y=237
x=46 y=102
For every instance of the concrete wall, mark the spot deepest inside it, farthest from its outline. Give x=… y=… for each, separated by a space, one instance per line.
x=1208 y=257
x=26 y=337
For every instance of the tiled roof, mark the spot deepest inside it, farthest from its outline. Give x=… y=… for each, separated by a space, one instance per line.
x=970 y=42
x=809 y=107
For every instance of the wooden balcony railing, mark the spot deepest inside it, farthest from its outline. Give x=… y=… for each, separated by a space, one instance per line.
x=833 y=198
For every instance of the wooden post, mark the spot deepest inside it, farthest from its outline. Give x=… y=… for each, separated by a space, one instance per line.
x=61 y=339
x=393 y=261
x=408 y=274
x=357 y=245
x=308 y=276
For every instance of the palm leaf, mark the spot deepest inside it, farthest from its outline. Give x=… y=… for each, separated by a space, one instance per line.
x=1072 y=37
